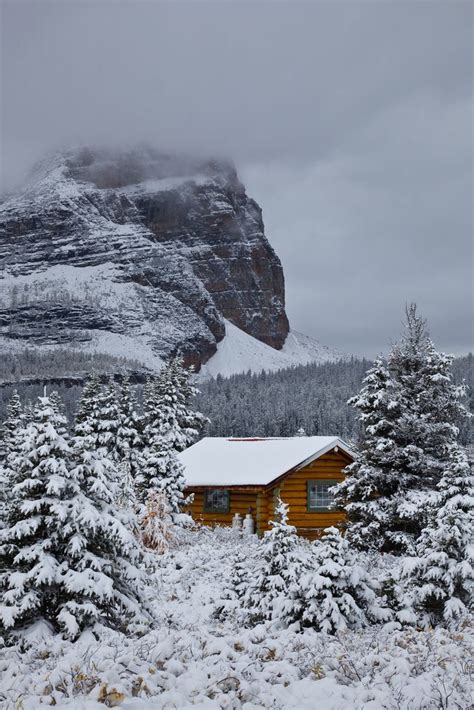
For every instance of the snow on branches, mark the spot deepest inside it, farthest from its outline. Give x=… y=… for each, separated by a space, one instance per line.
x=68 y=555
x=409 y=409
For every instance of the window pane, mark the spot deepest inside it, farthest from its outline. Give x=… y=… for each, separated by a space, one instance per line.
x=217 y=500
x=319 y=496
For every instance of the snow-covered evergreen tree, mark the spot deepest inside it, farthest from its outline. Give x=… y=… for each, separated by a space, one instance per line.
x=9 y=430
x=11 y=424
x=98 y=414
x=409 y=410
x=88 y=413
x=336 y=592
x=191 y=422
x=163 y=437
x=105 y=581
x=438 y=582
x=67 y=555
x=32 y=544
x=161 y=472
x=128 y=442
x=272 y=592
x=167 y=406
x=56 y=402
x=235 y=585
x=367 y=489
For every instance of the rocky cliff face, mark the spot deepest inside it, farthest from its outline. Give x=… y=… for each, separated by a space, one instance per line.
x=136 y=251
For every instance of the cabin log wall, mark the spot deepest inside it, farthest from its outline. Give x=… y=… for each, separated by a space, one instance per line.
x=293 y=491
x=240 y=502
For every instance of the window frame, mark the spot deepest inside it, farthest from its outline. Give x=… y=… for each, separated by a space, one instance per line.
x=320 y=509
x=210 y=509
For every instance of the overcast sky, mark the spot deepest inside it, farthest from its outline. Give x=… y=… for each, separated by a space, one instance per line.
x=349 y=122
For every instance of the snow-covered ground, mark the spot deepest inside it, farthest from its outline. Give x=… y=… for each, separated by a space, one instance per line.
x=192 y=660
x=239 y=352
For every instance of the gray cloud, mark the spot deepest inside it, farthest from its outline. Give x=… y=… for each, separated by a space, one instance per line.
x=349 y=121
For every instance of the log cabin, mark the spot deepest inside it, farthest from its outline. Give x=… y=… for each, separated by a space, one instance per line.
x=247 y=475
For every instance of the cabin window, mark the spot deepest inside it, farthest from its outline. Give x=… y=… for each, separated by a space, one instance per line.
x=217 y=501
x=319 y=496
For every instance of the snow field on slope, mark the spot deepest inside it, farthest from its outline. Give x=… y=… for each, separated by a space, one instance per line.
x=239 y=352
x=89 y=284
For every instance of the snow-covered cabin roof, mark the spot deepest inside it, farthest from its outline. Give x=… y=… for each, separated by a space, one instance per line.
x=217 y=461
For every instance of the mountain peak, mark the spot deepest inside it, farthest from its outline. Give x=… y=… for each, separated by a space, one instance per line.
x=106 y=244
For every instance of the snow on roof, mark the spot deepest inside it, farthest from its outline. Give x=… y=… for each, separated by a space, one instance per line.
x=216 y=461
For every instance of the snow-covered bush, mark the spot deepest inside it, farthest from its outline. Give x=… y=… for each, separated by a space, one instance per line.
x=271 y=591
x=191 y=660
x=338 y=593
x=156 y=525
x=437 y=583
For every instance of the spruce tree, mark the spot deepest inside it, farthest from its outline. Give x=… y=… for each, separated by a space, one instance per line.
x=105 y=581
x=409 y=410
x=337 y=593
x=88 y=414
x=38 y=525
x=236 y=582
x=272 y=593
x=438 y=582
x=128 y=442
x=13 y=423
x=369 y=484
x=161 y=472
x=167 y=406
x=67 y=555
x=190 y=422
x=163 y=438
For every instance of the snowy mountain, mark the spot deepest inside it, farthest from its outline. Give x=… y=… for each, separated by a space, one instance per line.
x=239 y=352
x=143 y=255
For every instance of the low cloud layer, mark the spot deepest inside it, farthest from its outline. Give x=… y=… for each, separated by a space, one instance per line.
x=349 y=122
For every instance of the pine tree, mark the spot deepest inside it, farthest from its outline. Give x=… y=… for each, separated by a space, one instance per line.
x=56 y=402
x=163 y=438
x=190 y=422
x=128 y=443
x=167 y=407
x=88 y=413
x=272 y=593
x=11 y=424
x=38 y=521
x=67 y=555
x=9 y=430
x=409 y=410
x=161 y=472
x=438 y=582
x=105 y=581
x=338 y=593
x=365 y=493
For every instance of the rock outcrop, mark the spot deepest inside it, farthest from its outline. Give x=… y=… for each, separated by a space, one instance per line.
x=136 y=251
